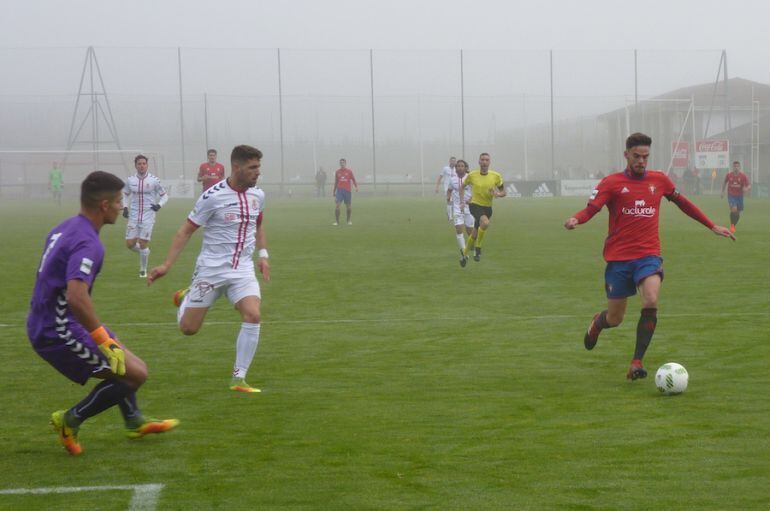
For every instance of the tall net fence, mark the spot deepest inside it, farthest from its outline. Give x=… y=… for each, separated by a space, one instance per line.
x=396 y=116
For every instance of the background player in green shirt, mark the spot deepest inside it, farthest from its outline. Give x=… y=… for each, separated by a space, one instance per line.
x=56 y=182
x=487 y=184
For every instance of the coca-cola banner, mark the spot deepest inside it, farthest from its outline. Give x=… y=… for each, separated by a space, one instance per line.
x=712 y=154
x=681 y=154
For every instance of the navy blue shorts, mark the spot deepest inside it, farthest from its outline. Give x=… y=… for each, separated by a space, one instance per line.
x=735 y=202
x=621 y=278
x=342 y=196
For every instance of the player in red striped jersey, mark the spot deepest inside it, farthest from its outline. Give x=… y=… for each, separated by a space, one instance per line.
x=231 y=212
x=632 y=247
x=143 y=196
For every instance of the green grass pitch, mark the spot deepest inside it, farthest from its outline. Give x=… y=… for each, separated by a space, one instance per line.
x=393 y=379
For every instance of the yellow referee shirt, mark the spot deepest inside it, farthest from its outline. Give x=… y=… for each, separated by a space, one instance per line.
x=482 y=184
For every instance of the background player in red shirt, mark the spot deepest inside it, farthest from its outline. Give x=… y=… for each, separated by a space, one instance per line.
x=211 y=172
x=632 y=247
x=342 y=179
x=737 y=183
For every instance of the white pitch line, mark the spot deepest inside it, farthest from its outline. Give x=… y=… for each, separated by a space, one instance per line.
x=144 y=498
x=427 y=318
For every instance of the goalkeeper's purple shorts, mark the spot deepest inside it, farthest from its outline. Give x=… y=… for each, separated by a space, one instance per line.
x=74 y=353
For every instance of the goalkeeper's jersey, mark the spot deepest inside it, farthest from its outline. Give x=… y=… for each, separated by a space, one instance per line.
x=72 y=251
x=139 y=195
x=230 y=218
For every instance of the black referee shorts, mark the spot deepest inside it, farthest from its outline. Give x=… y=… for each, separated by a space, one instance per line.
x=477 y=211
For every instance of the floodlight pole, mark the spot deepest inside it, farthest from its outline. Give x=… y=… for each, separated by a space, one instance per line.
x=280 y=115
x=462 y=103
x=374 y=139
x=636 y=81
x=206 y=119
x=728 y=120
x=552 y=128
x=94 y=118
x=714 y=95
x=526 y=137
x=91 y=66
x=181 y=109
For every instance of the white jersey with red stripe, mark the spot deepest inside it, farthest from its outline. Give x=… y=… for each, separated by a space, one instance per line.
x=139 y=194
x=454 y=185
x=230 y=218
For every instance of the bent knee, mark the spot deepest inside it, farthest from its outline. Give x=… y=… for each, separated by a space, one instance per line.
x=251 y=317
x=188 y=329
x=614 y=320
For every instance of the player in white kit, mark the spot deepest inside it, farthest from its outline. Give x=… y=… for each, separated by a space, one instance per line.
x=444 y=178
x=231 y=212
x=461 y=215
x=143 y=196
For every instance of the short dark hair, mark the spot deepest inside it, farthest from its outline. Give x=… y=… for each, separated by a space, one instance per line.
x=211 y=151
x=244 y=153
x=736 y=161
x=97 y=186
x=139 y=157
x=637 y=139
x=463 y=162
x=484 y=154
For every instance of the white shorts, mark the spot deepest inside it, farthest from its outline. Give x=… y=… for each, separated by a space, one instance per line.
x=462 y=218
x=141 y=231
x=208 y=284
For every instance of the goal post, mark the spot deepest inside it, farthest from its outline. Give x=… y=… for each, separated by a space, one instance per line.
x=26 y=173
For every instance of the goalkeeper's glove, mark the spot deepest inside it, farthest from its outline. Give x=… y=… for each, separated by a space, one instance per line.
x=111 y=349
x=125 y=212
x=155 y=207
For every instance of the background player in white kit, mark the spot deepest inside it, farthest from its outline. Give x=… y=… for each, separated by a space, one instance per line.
x=444 y=178
x=231 y=212
x=460 y=211
x=143 y=196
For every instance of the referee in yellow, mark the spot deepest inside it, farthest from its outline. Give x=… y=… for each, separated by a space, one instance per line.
x=487 y=184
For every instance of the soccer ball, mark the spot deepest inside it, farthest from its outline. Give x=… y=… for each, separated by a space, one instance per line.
x=671 y=378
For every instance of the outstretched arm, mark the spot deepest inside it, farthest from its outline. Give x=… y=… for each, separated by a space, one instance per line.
x=181 y=238
x=695 y=213
x=581 y=217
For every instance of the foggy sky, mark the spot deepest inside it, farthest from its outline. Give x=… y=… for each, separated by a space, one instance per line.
x=395 y=24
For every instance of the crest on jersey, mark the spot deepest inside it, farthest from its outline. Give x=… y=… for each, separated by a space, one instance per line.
x=624 y=190
x=254 y=203
x=652 y=188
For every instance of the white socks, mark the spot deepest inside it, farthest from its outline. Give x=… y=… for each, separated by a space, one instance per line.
x=135 y=247
x=461 y=241
x=181 y=309
x=449 y=211
x=144 y=256
x=245 y=348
